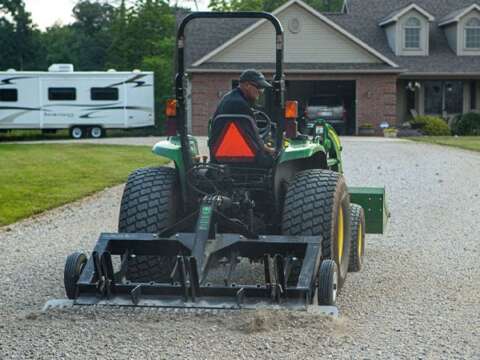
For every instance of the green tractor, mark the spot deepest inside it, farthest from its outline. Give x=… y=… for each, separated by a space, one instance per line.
x=228 y=232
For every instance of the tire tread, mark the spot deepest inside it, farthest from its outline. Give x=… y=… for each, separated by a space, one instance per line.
x=146 y=207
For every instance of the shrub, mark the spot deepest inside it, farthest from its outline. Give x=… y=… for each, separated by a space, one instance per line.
x=432 y=125
x=467 y=124
x=366 y=126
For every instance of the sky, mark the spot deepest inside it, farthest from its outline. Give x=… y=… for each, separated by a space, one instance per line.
x=46 y=12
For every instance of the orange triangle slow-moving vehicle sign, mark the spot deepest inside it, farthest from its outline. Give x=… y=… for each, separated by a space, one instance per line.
x=233 y=146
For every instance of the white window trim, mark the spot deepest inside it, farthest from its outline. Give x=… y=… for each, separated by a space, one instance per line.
x=465 y=28
x=404 y=35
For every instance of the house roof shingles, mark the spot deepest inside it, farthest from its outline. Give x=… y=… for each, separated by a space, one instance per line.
x=391 y=16
x=205 y=35
x=452 y=16
x=363 y=23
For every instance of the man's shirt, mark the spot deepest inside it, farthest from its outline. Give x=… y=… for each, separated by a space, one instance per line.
x=234 y=102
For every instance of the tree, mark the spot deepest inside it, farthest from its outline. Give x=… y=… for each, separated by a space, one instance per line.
x=91 y=36
x=93 y=17
x=117 y=54
x=7 y=33
x=20 y=39
x=152 y=30
x=60 y=45
x=271 y=5
x=143 y=36
x=236 y=5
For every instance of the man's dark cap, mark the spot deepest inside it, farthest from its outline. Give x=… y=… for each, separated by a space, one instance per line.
x=255 y=77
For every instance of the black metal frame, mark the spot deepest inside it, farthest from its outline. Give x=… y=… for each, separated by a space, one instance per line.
x=278 y=81
x=99 y=284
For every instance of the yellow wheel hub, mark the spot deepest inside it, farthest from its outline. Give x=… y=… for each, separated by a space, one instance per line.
x=360 y=239
x=340 y=234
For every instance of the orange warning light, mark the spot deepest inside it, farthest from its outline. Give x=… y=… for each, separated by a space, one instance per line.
x=291 y=109
x=171 y=109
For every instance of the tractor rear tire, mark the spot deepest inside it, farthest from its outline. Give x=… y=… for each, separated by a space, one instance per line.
x=317 y=203
x=357 y=248
x=149 y=205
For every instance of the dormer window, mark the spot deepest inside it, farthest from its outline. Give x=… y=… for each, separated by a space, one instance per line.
x=408 y=31
x=462 y=29
x=412 y=29
x=472 y=34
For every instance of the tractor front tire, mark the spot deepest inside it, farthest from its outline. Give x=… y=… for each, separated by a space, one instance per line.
x=317 y=203
x=357 y=248
x=149 y=205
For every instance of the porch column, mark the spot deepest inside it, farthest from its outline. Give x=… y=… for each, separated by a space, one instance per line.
x=466 y=97
x=401 y=101
x=420 y=99
x=478 y=96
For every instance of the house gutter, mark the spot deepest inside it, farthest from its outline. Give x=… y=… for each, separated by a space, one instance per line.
x=438 y=75
x=299 y=71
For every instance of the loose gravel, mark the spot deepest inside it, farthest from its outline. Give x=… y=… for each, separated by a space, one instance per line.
x=417 y=296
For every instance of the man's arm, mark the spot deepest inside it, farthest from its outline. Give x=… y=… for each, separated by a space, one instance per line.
x=242 y=108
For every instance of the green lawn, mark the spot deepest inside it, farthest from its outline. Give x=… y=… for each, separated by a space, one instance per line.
x=463 y=142
x=30 y=135
x=34 y=178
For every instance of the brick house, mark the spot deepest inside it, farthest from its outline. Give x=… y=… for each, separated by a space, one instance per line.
x=386 y=59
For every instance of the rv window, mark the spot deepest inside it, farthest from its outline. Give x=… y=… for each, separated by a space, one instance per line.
x=62 y=94
x=8 y=95
x=104 y=93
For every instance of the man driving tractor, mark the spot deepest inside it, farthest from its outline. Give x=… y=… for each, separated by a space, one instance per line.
x=240 y=101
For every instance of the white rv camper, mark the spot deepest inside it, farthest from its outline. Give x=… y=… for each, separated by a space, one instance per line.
x=86 y=103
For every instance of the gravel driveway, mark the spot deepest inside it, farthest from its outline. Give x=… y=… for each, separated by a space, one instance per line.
x=417 y=297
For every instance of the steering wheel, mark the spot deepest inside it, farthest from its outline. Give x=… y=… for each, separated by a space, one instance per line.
x=264 y=123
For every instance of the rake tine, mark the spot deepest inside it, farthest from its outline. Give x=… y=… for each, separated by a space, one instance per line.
x=183 y=277
x=233 y=265
x=192 y=271
x=279 y=272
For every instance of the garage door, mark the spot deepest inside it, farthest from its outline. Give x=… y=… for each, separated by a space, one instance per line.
x=304 y=90
x=342 y=92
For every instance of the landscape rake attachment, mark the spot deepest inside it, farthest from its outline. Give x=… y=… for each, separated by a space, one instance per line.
x=96 y=282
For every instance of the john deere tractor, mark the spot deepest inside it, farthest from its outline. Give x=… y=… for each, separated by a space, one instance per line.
x=226 y=230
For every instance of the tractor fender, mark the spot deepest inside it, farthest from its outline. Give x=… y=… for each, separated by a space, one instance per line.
x=286 y=171
x=335 y=150
x=171 y=148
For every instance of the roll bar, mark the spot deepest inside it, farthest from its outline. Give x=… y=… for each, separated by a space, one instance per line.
x=278 y=81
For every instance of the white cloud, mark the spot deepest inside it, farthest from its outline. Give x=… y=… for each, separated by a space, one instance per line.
x=46 y=12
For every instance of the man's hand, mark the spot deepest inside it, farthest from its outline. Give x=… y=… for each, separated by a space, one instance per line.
x=269 y=150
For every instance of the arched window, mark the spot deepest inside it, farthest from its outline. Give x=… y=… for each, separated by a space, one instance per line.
x=413 y=27
x=472 y=33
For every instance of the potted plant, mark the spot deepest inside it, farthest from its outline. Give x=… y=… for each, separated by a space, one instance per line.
x=390 y=132
x=366 y=129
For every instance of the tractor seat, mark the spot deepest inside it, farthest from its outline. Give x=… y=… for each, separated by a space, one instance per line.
x=234 y=139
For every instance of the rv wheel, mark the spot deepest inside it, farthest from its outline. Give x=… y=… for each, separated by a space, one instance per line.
x=76 y=132
x=96 y=132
